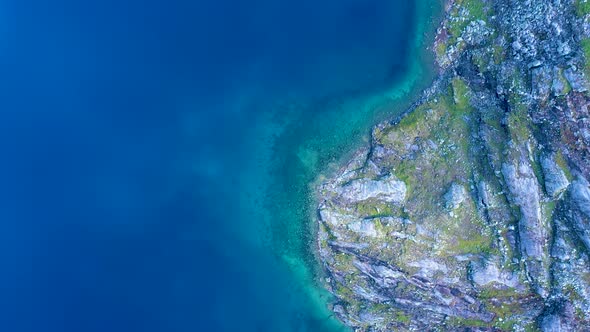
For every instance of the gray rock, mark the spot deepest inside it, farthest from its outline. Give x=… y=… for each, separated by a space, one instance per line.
x=533 y=235
x=581 y=195
x=455 y=196
x=535 y=64
x=428 y=267
x=558 y=86
x=485 y=198
x=442 y=269
x=364 y=228
x=576 y=80
x=484 y=273
x=541 y=82
x=476 y=32
x=388 y=189
x=555 y=180
x=554 y=323
x=369 y=294
x=558 y=317
x=564 y=49
x=368 y=317
x=334 y=218
x=524 y=189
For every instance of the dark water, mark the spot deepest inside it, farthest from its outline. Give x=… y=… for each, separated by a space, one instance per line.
x=157 y=155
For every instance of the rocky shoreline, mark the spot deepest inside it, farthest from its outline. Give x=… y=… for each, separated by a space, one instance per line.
x=471 y=212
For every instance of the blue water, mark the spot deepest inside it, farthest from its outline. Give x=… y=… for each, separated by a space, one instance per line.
x=156 y=155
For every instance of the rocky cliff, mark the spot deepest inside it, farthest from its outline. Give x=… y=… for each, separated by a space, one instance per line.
x=471 y=211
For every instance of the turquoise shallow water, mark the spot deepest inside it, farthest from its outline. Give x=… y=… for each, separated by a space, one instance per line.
x=300 y=142
x=160 y=156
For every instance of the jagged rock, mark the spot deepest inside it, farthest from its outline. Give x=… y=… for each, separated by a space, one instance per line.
x=555 y=180
x=367 y=317
x=558 y=318
x=428 y=267
x=388 y=189
x=455 y=196
x=486 y=248
x=581 y=195
x=476 y=32
x=484 y=273
x=554 y=323
x=559 y=86
x=485 y=197
x=369 y=294
x=576 y=80
x=364 y=228
x=524 y=189
x=564 y=48
x=334 y=218
x=541 y=82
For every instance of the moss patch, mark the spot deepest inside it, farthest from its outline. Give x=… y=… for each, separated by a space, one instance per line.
x=582 y=7
x=464 y=12
x=585 y=44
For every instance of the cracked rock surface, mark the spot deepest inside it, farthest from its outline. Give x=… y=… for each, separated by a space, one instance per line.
x=471 y=211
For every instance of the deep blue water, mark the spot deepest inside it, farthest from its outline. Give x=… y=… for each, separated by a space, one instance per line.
x=141 y=141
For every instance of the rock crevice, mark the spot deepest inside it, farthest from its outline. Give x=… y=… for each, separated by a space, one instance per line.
x=472 y=210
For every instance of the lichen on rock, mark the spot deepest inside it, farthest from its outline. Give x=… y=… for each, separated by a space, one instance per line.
x=472 y=210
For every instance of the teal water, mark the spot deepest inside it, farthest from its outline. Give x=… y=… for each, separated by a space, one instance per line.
x=160 y=157
x=298 y=143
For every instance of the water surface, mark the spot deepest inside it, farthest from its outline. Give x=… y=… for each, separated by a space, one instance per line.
x=158 y=156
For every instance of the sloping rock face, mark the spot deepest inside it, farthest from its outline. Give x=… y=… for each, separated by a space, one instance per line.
x=471 y=212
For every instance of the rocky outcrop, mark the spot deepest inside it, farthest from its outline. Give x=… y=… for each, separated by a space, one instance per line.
x=471 y=212
x=388 y=189
x=556 y=181
x=580 y=195
x=532 y=230
x=455 y=196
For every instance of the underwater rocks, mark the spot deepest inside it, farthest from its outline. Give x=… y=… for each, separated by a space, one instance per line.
x=471 y=212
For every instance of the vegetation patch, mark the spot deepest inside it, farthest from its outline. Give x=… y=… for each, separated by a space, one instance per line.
x=582 y=7
x=464 y=12
x=585 y=44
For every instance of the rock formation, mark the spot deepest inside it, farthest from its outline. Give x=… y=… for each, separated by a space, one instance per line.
x=471 y=211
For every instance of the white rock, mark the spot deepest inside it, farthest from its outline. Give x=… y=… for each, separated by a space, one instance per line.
x=364 y=228
x=455 y=196
x=488 y=272
x=334 y=218
x=388 y=189
x=524 y=189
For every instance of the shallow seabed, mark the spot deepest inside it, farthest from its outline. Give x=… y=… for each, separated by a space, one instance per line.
x=307 y=141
